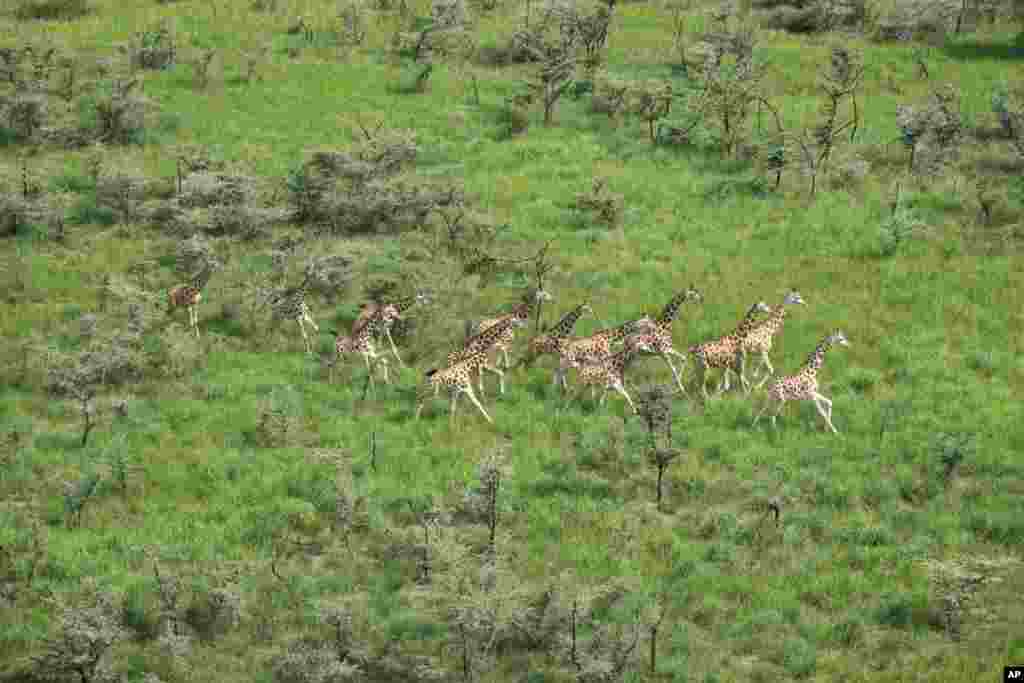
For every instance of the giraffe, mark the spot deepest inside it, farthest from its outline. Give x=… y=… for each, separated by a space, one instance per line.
x=574 y=352
x=521 y=311
x=725 y=352
x=611 y=370
x=371 y=310
x=550 y=339
x=291 y=305
x=457 y=376
x=759 y=339
x=486 y=340
x=190 y=294
x=662 y=336
x=803 y=386
x=361 y=341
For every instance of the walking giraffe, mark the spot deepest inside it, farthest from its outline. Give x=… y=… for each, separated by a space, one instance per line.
x=803 y=386
x=361 y=341
x=383 y=326
x=522 y=312
x=486 y=340
x=725 y=352
x=457 y=377
x=190 y=294
x=551 y=339
x=759 y=339
x=598 y=346
x=611 y=371
x=662 y=336
x=291 y=305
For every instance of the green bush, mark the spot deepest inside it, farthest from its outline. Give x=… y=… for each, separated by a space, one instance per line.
x=51 y=9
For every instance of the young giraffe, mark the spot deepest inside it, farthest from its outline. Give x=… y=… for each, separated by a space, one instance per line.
x=553 y=337
x=361 y=341
x=803 y=386
x=457 y=377
x=291 y=305
x=486 y=340
x=370 y=313
x=190 y=294
x=725 y=352
x=573 y=353
x=662 y=336
x=759 y=339
x=522 y=312
x=611 y=371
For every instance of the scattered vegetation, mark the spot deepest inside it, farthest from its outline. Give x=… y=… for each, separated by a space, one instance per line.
x=217 y=506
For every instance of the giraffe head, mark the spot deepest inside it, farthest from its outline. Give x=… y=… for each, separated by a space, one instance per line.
x=693 y=295
x=759 y=307
x=793 y=298
x=837 y=337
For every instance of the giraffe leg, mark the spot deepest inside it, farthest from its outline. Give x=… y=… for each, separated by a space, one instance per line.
x=472 y=397
x=767 y=369
x=701 y=379
x=675 y=373
x=425 y=396
x=501 y=378
x=480 y=380
x=619 y=387
x=504 y=353
x=384 y=366
x=387 y=332
x=767 y=404
x=454 y=404
x=824 y=407
x=682 y=369
x=305 y=337
x=778 y=411
x=311 y=322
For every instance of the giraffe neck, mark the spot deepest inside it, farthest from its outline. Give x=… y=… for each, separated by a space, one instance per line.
x=775 y=320
x=564 y=326
x=668 y=315
x=747 y=323
x=817 y=358
x=486 y=338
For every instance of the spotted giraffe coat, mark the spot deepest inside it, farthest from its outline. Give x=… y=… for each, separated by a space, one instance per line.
x=725 y=351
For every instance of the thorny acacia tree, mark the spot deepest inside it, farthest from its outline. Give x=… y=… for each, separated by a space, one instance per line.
x=730 y=80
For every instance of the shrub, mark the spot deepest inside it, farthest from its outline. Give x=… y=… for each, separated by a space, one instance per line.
x=23 y=116
x=13 y=215
x=51 y=9
x=154 y=49
x=917 y=20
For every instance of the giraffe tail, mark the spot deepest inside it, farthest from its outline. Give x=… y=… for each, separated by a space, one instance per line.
x=431 y=372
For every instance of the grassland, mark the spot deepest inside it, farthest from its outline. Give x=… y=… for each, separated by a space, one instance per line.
x=838 y=590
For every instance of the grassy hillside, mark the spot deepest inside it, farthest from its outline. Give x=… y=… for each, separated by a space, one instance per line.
x=232 y=502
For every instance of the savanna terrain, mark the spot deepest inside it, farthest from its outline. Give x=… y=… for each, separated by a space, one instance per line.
x=228 y=507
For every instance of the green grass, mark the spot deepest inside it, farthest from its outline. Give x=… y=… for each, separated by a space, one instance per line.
x=836 y=590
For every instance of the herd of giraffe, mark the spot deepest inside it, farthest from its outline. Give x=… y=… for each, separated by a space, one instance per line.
x=594 y=358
